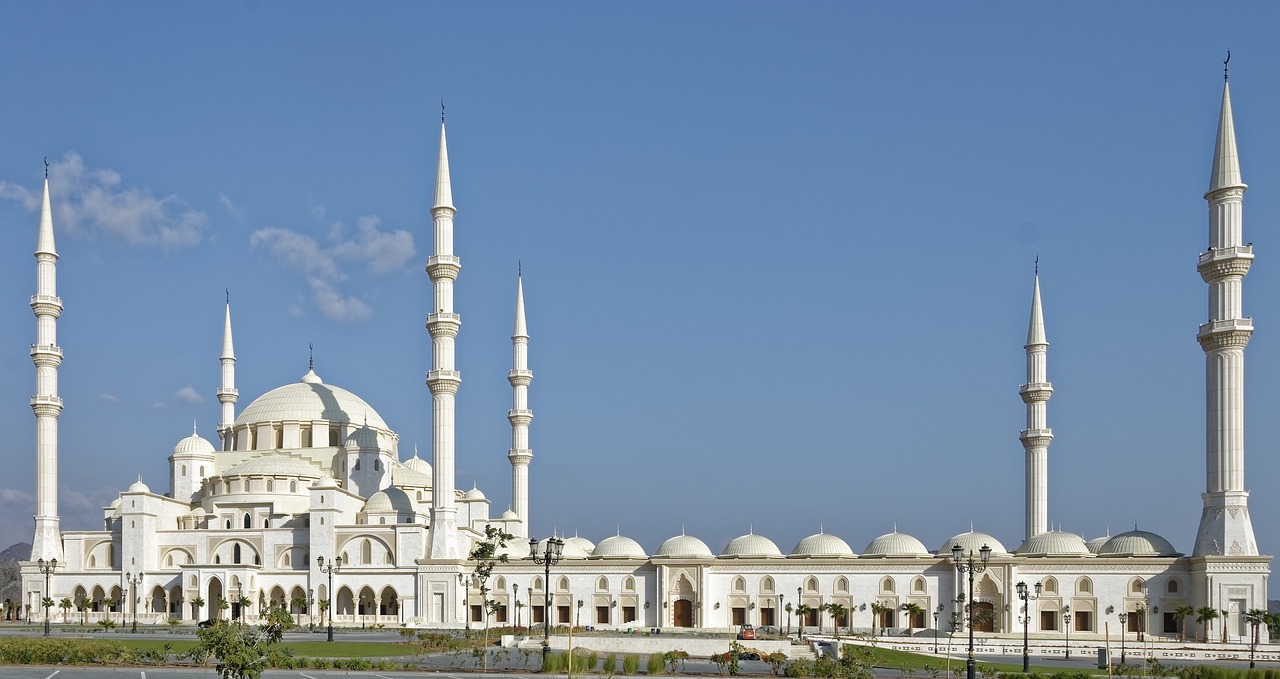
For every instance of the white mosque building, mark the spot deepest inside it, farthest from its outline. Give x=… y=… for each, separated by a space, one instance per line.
x=309 y=471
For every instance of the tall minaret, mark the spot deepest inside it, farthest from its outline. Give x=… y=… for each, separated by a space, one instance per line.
x=1225 y=528
x=520 y=415
x=443 y=380
x=227 y=394
x=1037 y=436
x=47 y=355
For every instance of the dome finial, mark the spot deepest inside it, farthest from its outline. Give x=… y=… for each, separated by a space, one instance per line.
x=311 y=356
x=1224 y=76
x=194 y=428
x=46 y=167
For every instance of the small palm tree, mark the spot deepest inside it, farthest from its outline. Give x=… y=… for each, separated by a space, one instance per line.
x=47 y=603
x=222 y=605
x=107 y=604
x=913 y=611
x=299 y=604
x=82 y=604
x=1255 y=617
x=199 y=604
x=324 y=608
x=877 y=616
x=837 y=613
x=1181 y=614
x=1205 y=615
x=801 y=611
x=66 y=606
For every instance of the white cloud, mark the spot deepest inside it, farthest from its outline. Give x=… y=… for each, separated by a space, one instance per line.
x=188 y=394
x=95 y=202
x=382 y=251
x=231 y=208
x=109 y=398
x=159 y=405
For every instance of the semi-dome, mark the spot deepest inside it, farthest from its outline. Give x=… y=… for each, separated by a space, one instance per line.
x=308 y=400
x=895 y=544
x=618 y=547
x=1137 y=543
x=1054 y=543
x=750 y=546
x=684 y=547
x=193 y=445
x=388 y=500
x=972 y=541
x=1096 y=544
x=582 y=543
x=822 y=545
x=275 y=465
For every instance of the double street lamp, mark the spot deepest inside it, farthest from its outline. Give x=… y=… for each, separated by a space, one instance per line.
x=1124 y=617
x=134 y=581
x=46 y=568
x=552 y=551
x=1026 y=597
x=965 y=563
x=1066 y=625
x=329 y=569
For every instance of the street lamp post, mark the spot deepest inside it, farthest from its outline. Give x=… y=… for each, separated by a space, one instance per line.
x=936 y=615
x=783 y=607
x=46 y=568
x=965 y=563
x=1066 y=625
x=1123 y=618
x=1026 y=597
x=329 y=568
x=552 y=551
x=515 y=601
x=466 y=600
x=134 y=581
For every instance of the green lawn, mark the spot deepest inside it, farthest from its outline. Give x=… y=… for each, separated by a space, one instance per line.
x=309 y=649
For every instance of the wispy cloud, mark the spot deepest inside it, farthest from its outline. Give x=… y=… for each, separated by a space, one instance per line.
x=188 y=394
x=109 y=398
x=96 y=203
x=381 y=251
x=236 y=212
x=159 y=405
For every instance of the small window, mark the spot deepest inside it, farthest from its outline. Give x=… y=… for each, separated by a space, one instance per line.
x=184 y=470
x=811 y=585
x=629 y=585
x=202 y=471
x=1050 y=585
x=739 y=584
x=842 y=585
x=1172 y=587
x=235 y=553
x=377 y=466
x=247 y=523
x=356 y=467
x=1137 y=586
x=1084 y=586
x=228 y=524
x=270 y=485
x=766 y=585
x=382 y=519
x=886 y=586
x=917 y=586
x=293 y=486
x=602 y=585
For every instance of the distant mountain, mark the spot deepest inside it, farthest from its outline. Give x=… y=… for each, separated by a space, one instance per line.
x=1273 y=605
x=15 y=553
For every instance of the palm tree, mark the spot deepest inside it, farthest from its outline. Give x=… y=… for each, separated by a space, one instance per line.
x=1225 y=614
x=1181 y=614
x=107 y=604
x=913 y=611
x=877 y=616
x=66 y=606
x=82 y=604
x=801 y=611
x=199 y=603
x=1205 y=615
x=324 y=608
x=299 y=603
x=222 y=605
x=1255 y=617
x=837 y=613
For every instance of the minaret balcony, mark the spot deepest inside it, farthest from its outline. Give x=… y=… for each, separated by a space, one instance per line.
x=52 y=405
x=1232 y=332
x=520 y=378
x=443 y=266
x=1222 y=262
x=1036 y=437
x=444 y=381
x=443 y=324
x=223 y=393
x=46 y=305
x=520 y=416
x=46 y=350
x=1036 y=391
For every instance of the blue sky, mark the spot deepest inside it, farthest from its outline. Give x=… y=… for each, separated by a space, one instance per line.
x=777 y=257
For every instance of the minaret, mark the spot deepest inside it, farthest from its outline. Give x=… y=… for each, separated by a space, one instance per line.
x=1037 y=436
x=1225 y=528
x=47 y=355
x=443 y=380
x=520 y=416
x=227 y=394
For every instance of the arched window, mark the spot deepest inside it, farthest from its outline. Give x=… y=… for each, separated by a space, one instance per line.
x=811 y=584
x=564 y=584
x=842 y=585
x=202 y=471
x=184 y=470
x=366 y=552
x=217 y=559
x=93 y=561
x=766 y=584
x=293 y=486
x=228 y=524
x=1050 y=585
x=271 y=486
x=168 y=561
x=629 y=585
x=537 y=583
x=739 y=584
x=917 y=586
x=247 y=522
x=1137 y=586
x=235 y=553
x=602 y=585
x=377 y=466
x=1172 y=587
x=1084 y=586
x=886 y=586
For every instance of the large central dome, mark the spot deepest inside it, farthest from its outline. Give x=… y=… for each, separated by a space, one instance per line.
x=310 y=400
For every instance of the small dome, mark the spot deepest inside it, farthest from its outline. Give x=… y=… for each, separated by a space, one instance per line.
x=1096 y=544
x=417 y=464
x=139 y=487
x=325 y=482
x=193 y=445
x=1137 y=543
x=750 y=546
x=474 y=495
x=1054 y=543
x=406 y=477
x=571 y=551
x=895 y=544
x=822 y=545
x=509 y=516
x=275 y=465
x=581 y=543
x=618 y=547
x=972 y=541
x=389 y=500
x=362 y=438
x=114 y=503
x=684 y=547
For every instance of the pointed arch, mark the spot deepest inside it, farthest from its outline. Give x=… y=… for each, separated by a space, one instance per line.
x=602 y=585
x=887 y=585
x=563 y=584
x=1084 y=586
x=811 y=585
x=1050 y=585
x=842 y=585
x=766 y=585
x=389 y=602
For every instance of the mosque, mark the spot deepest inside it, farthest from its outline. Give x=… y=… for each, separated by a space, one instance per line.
x=308 y=473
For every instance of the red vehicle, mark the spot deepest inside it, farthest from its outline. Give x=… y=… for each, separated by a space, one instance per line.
x=747 y=633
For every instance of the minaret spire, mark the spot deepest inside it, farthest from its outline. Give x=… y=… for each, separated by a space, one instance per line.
x=444 y=379
x=1037 y=436
x=227 y=393
x=46 y=404
x=520 y=415
x=1225 y=527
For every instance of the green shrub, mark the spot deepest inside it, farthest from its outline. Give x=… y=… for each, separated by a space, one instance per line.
x=655 y=664
x=610 y=664
x=798 y=667
x=630 y=664
x=555 y=663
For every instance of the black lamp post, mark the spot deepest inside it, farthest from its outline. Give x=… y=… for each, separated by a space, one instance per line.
x=936 y=615
x=1123 y=618
x=1026 y=597
x=965 y=563
x=782 y=607
x=1066 y=625
x=46 y=568
x=134 y=581
x=552 y=551
x=515 y=602
x=466 y=600
x=329 y=569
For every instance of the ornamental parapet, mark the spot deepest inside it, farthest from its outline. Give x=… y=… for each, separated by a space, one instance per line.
x=443 y=266
x=46 y=305
x=1036 y=392
x=1226 y=193
x=444 y=381
x=46 y=405
x=520 y=378
x=1036 y=438
x=1223 y=262
x=1232 y=332
x=520 y=455
x=46 y=354
x=224 y=393
x=443 y=324
x=520 y=416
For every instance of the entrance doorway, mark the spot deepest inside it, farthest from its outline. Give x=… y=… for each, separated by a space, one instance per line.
x=683 y=613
